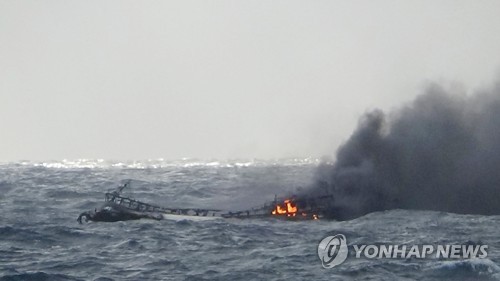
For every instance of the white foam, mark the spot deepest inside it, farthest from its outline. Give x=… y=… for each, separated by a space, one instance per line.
x=185 y=217
x=162 y=163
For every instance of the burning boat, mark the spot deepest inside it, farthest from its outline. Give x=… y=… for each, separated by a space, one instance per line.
x=119 y=208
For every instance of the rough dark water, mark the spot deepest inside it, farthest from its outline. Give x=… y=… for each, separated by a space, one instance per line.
x=41 y=240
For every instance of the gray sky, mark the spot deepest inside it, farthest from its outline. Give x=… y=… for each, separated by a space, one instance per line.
x=223 y=79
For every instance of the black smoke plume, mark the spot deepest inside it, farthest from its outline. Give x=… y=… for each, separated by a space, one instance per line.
x=441 y=152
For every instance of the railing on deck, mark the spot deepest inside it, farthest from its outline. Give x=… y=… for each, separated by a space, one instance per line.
x=139 y=206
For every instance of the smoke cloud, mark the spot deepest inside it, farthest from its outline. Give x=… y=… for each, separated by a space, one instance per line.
x=440 y=152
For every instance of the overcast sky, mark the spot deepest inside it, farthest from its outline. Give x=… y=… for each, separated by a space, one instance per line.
x=224 y=79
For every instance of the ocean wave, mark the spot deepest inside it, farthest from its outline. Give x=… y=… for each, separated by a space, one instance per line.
x=479 y=268
x=41 y=239
x=162 y=163
x=39 y=276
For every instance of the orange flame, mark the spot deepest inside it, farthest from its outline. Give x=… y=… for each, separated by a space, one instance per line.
x=280 y=210
x=289 y=209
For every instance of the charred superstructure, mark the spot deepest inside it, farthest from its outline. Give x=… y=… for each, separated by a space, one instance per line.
x=118 y=208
